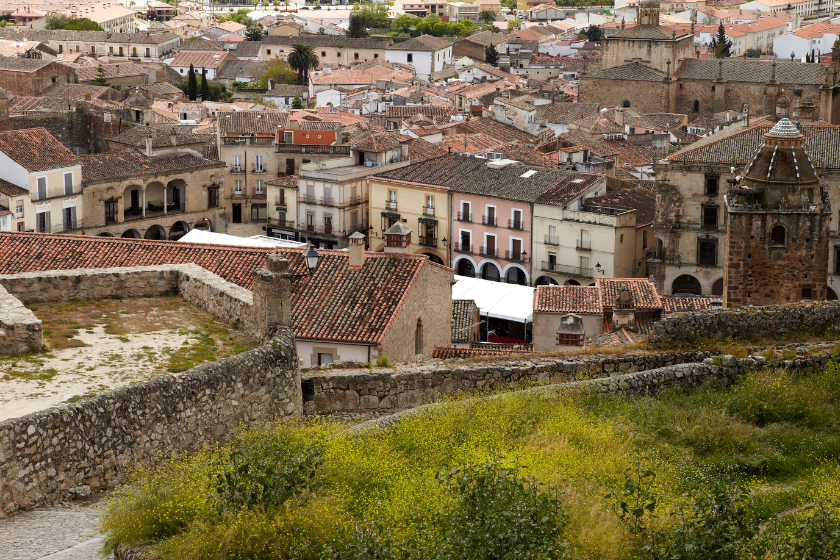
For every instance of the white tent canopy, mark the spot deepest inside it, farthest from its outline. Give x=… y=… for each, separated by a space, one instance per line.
x=495 y=299
x=213 y=238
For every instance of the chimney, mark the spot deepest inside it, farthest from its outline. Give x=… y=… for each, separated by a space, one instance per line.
x=173 y=139
x=272 y=297
x=397 y=239
x=357 y=251
x=87 y=96
x=619 y=116
x=149 y=145
x=624 y=310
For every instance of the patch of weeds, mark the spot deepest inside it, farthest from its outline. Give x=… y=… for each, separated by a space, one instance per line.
x=124 y=312
x=118 y=298
x=123 y=339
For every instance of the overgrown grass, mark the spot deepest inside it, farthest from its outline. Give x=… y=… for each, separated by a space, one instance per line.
x=774 y=434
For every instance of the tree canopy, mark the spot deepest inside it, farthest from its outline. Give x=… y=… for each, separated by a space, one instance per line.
x=100 y=80
x=205 y=86
x=721 y=45
x=254 y=33
x=487 y=16
x=491 y=55
x=373 y=15
x=593 y=33
x=357 y=29
x=279 y=72
x=71 y=24
x=236 y=16
x=514 y=25
x=302 y=59
x=192 y=84
x=404 y=23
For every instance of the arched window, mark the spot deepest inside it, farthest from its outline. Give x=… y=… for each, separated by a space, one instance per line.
x=418 y=337
x=625 y=104
x=696 y=105
x=777 y=235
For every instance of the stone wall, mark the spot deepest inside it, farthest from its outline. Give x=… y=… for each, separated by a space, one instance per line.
x=227 y=301
x=20 y=330
x=384 y=390
x=750 y=322
x=89 y=446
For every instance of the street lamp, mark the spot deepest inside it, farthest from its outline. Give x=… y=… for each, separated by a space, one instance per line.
x=310 y=259
x=599 y=269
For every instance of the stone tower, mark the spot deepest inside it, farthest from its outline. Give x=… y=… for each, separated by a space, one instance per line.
x=777 y=224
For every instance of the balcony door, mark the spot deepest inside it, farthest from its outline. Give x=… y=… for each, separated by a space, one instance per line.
x=491 y=218
x=516 y=249
x=466 y=240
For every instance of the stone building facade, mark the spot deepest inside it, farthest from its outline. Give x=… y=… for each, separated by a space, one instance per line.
x=777 y=226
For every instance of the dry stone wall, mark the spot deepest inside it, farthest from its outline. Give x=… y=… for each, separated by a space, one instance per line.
x=750 y=322
x=20 y=330
x=85 y=447
x=334 y=390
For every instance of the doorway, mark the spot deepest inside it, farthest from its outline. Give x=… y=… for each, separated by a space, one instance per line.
x=237 y=213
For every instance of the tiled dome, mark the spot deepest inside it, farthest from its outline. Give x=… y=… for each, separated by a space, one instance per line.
x=784 y=128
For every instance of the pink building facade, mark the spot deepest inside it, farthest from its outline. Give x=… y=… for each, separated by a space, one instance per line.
x=491 y=238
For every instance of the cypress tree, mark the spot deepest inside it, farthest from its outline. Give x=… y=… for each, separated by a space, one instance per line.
x=192 y=84
x=205 y=86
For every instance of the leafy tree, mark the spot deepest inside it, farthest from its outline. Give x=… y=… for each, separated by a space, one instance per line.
x=322 y=31
x=487 y=16
x=491 y=55
x=432 y=19
x=279 y=72
x=356 y=28
x=236 y=16
x=254 y=33
x=72 y=24
x=192 y=84
x=297 y=103
x=302 y=59
x=373 y=15
x=100 y=80
x=403 y=23
x=752 y=53
x=593 y=33
x=511 y=4
x=514 y=25
x=721 y=44
x=238 y=85
x=205 y=87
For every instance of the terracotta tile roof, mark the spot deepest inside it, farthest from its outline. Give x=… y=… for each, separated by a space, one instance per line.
x=35 y=149
x=135 y=135
x=356 y=77
x=119 y=165
x=463 y=311
x=334 y=304
x=486 y=38
x=420 y=150
x=288 y=90
x=249 y=49
x=759 y=71
x=10 y=189
x=89 y=73
x=18 y=64
x=47 y=36
x=642 y=199
x=501 y=131
x=427 y=43
x=333 y=41
x=252 y=122
x=568 y=299
x=631 y=71
x=20 y=104
x=444 y=353
x=160 y=89
x=684 y=303
x=565 y=113
x=200 y=59
x=644 y=292
x=476 y=143
x=375 y=141
x=408 y=111
x=202 y=44
x=518 y=152
x=642 y=32
x=76 y=92
x=573 y=184
x=242 y=68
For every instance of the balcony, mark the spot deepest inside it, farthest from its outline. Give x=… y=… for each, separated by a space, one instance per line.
x=66 y=191
x=583 y=245
x=566 y=269
x=258 y=169
x=297 y=149
x=19 y=214
x=516 y=224
x=488 y=251
x=282 y=224
x=488 y=220
x=391 y=205
x=326 y=230
x=67 y=226
x=280 y=202
x=247 y=141
x=237 y=169
x=652 y=254
x=429 y=211
x=427 y=240
x=462 y=247
x=518 y=256
x=552 y=240
x=464 y=217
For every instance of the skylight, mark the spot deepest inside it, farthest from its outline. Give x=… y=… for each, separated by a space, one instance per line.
x=528 y=173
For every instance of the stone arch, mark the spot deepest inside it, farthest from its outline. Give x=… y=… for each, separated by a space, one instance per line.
x=515 y=274
x=778 y=235
x=571 y=282
x=155 y=232
x=176 y=195
x=464 y=266
x=132 y=202
x=686 y=284
x=105 y=234
x=545 y=281
x=178 y=230
x=131 y=234
x=490 y=271
x=203 y=224
x=717 y=287
x=625 y=104
x=433 y=257
x=154 y=198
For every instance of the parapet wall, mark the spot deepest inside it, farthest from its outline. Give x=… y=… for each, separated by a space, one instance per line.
x=387 y=391
x=227 y=301
x=750 y=322
x=20 y=330
x=89 y=446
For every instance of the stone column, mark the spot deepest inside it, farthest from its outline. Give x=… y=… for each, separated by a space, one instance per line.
x=164 y=199
x=272 y=291
x=144 y=200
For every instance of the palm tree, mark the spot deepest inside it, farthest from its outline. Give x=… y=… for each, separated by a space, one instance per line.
x=488 y=16
x=302 y=59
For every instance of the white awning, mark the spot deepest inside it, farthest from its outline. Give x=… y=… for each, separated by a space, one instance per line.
x=495 y=299
x=201 y=236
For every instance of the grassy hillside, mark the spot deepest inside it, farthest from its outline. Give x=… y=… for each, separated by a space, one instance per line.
x=746 y=471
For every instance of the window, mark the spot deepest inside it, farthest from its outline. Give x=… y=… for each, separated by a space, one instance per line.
x=324 y=358
x=777 y=235
x=409 y=57
x=418 y=337
x=19 y=209
x=259 y=185
x=707 y=252
x=148 y=52
x=42 y=222
x=237 y=187
x=391 y=203
x=355 y=56
x=644 y=240
x=516 y=221
x=323 y=53
x=213 y=197
x=584 y=266
x=354 y=220
x=310 y=221
x=237 y=164
x=268 y=51
x=375 y=55
x=490 y=245
x=621 y=238
x=806 y=293
x=42 y=188
x=710 y=217
x=625 y=104
x=466 y=241
x=110 y=212
x=69 y=218
x=429 y=209
x=353 y=196
x=327 y=223
x=466 y=212
x=569 y=339
x=711 y=185
x=696 y=105
x=259 y=164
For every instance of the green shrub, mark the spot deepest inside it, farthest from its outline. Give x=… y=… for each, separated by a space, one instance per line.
x=383 y=361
